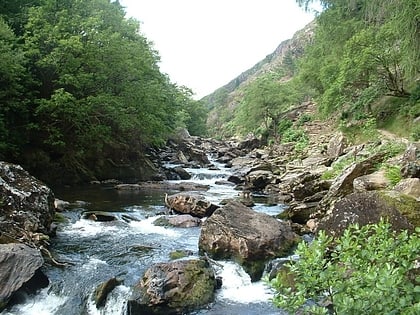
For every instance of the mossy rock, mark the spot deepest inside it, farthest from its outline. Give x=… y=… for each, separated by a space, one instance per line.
x=180 y=253
x=368 y=208
x=406 y=205
x=174 y=287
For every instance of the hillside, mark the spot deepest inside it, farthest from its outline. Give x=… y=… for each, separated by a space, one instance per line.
x=359 y=64
x=223 y=101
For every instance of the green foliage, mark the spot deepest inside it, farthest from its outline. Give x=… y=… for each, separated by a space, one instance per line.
x=79 y=82
x=363 y=272
x=338 y=166
x=392 y=173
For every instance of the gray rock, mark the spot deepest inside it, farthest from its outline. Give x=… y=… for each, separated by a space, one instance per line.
x=362 y=208
x=337 y=145
x=19 y=264
x=374 y=181
x=26 y=203
x=246 y=236
x=192 y=204
x=410 y=187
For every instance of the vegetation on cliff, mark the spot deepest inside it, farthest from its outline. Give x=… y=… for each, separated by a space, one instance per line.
x=360 y=63
x=81 y=85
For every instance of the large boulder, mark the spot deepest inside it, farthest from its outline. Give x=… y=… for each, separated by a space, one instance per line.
x=337 y=144
x=26 y=204
x=363 y=208
x=343 y=184
x=192 y=204
x=173 y=288
x=20 y=269
x=410 y=187
x=374 y=181
x=236 y=232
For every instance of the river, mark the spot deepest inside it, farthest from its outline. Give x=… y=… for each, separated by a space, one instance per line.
x=125 y=248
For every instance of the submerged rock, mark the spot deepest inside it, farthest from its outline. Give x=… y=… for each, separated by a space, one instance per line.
x=103 y=290
x=173 y=288
x=236 y=232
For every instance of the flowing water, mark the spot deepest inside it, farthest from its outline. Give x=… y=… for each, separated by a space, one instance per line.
x=125 y=248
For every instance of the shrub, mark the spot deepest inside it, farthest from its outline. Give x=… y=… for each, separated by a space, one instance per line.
x=366 y=271
x=393 y=173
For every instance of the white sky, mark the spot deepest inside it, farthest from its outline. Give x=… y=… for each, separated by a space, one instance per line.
x=204 y=44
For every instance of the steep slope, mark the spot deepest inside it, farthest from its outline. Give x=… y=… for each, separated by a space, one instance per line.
x=224 y=100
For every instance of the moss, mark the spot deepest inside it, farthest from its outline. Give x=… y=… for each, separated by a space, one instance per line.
x=406 y=205
x=202 y=283
x=177 y=254
x=60 y=218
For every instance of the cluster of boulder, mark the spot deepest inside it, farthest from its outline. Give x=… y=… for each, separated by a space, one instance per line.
x=26 y=224
x=232 y=230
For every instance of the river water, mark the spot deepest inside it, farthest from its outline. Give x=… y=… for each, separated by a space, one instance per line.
x=125 y=248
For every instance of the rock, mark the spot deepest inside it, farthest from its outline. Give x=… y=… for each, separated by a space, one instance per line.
x=194 y=205
x=19 y=264
x=100 y=216
x=374 y=181
x=173 y=288
x=163 y=185
x=249 y=143
x=343 y=184
x=406 y=205
x=182 y=173
x=248 y=237
x=362 y=208
x=103 y=290
x=410 y=164
x=181 y=253
x=410 y=187
x=181 y=221
x=299 y=213
x=26 y=203
x=61 y=205
x=257 y=180
x=337 y=145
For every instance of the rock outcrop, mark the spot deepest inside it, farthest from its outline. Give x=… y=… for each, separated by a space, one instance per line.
x=173 y=288
x=27 y=205
x=236 y=232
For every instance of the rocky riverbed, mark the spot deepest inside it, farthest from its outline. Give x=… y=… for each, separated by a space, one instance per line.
x=328 y=186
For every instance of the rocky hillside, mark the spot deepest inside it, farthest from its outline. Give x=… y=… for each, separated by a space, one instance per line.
x=282 y=57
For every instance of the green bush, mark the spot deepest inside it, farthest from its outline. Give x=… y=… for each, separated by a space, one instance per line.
x=393 y=174
x=366 y=271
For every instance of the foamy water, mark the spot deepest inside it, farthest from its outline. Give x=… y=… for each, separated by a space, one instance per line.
x=44 y=303
x=237 y=286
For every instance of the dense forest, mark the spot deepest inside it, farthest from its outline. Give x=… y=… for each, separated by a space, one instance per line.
x=359 y=61
x=81 y=87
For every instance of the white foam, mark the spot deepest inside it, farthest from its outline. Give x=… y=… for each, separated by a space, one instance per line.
x=146 y=226
x=93 y=264
x=115 y=304
x=237 y=286
x=84 y=227
x=44 y=303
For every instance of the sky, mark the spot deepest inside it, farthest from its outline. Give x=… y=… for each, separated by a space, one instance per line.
x=204 y=44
